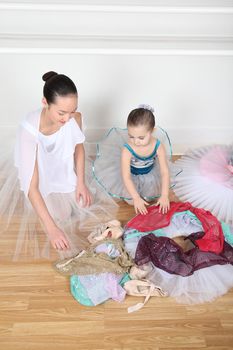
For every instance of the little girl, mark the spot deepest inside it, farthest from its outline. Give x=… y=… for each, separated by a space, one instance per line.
x=49 y=175
x=133 y=165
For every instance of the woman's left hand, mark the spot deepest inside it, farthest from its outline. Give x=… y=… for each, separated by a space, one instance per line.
x=83 y=196
x=164 y=204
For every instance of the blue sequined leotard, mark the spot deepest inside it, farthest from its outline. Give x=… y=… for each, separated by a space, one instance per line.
x=142 y=165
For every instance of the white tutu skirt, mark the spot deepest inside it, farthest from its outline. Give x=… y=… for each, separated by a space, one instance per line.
x=207 y=180
x=202 y=286
x=107 y=167
x=17 y=214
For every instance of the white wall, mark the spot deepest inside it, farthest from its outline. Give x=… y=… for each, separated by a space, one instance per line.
x=174 y=55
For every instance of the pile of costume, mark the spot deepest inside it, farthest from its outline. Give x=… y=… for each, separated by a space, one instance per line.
x=199 y=274
x=148 y=261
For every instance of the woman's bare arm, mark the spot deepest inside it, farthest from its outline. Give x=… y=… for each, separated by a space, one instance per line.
x=55 y=234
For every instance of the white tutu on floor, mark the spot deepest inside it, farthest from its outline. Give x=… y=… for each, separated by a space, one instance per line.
x=202 y=286
x=207 y=180
x=107 y=167
x=17 y=213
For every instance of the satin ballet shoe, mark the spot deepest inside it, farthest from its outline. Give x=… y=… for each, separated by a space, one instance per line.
x=111 y=229
x=142 y=288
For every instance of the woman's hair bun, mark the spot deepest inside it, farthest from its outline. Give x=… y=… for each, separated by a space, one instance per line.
x=48 y=75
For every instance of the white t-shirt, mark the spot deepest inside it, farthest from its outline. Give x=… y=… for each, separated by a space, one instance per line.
x=54 y=153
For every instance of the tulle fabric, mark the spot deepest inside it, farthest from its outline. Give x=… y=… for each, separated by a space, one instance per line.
x=17 y=213
x=202 y=286
x=215 y=165
x=107 y=166
x=207 y=180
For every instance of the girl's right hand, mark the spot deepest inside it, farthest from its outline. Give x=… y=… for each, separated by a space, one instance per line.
x=58 y=239
x=140 y=205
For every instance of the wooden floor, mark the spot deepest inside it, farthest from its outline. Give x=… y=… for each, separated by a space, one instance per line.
x=38 y=312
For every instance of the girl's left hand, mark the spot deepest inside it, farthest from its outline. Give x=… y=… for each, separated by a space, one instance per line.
x=164 y=204
x=83 y=196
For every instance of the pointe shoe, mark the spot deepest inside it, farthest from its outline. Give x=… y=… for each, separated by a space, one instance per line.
x=142 y=288
x=111 y=229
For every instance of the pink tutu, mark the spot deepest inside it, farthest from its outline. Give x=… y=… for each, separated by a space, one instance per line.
x=215 y=165
x=207 y=180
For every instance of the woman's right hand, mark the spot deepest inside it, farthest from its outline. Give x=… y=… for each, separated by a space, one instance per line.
x=57 y=238
x=140 y=205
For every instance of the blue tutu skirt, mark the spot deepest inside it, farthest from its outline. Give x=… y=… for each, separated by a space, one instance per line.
x=107 y=167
